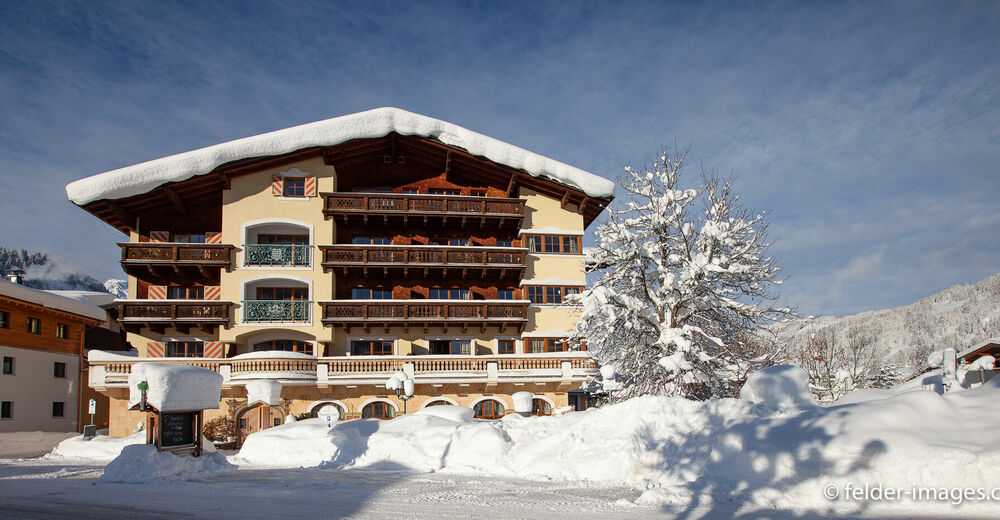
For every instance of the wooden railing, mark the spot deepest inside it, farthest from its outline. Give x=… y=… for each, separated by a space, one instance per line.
x=176 y=253
x=459 y=310
x=381 y=203
x=338 y=255
x=194 y=311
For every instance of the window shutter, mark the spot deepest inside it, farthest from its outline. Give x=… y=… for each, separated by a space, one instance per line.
x=310 y=186
x=213 y=349
x=276 y=185
x=212 y=292
x=159 y=236
x=154 y=349
x=157 y=292
x=213 y=238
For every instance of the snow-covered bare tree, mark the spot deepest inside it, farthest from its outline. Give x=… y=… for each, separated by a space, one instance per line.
x=684 y=281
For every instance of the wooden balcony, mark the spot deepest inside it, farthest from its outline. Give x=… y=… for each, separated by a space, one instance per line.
x=426 y=313
x=396 y=208
x=426 y=260
x=163 y=263
x=182 y=315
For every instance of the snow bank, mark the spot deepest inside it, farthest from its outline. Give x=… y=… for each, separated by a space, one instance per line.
x=101 y=448
x=140 y=178
x=142 y=463
x=175 y=387
x=522 y=401
x=781 y=387
x=450 y=412
x=265 y=391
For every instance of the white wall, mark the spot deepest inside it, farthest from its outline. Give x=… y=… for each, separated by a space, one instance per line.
x=32 y=388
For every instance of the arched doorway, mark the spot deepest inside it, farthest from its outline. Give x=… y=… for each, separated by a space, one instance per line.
x=256 y=418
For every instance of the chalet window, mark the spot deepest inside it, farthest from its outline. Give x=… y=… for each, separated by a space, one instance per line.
x=378 y=241
x=58 y=409
x=189 y=238
x=378 y=410
x=551 y=244
x=505 y=346
x=62 y=331
x=294 y=187
x=410 y=192
x=570 y=245
x=185 y=348
x=558 y=244
x=287 y=345
x=371 y=348
x=443 y=191
x=448 y=294
x=4 y=320
x=186 y=293
x=536 y=294
x=504 y=243
x=477 y=192
x=6 y=409
x=59 y=369
x=488 y=409
x=505 y=294
x=540 y=407
x=363 y=293
x=458 y=347
x=551 y=294
x=540 y=345
x=534 y=243
x=34 y=326
x=282 y=293
x=8 y=365
x=458 y=241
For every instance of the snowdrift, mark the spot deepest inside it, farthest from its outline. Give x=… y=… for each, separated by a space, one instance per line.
x=680 y=449
x=99 y=449
x=142 y=463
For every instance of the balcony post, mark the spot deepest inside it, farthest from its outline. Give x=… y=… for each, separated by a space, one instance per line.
x=492 y=371
x=567 y=370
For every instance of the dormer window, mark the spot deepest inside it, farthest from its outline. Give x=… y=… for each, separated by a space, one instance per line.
x=294 y=187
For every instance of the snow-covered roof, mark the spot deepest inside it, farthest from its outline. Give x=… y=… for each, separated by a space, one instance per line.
x=141 y=178
x=100 y=299
x=980 y=346
x=175 y=388
x=51 y=300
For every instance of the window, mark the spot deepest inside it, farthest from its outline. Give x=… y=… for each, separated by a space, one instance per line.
x=505 y=346
x=6 y=409
x=437 y=403
x=294 y=187
x=287 y=345
x=185 y=348
x=539 y=345
x=58 y=369
x=378 y=410
x=8 y=365
x=4 y=320
x=462 y=347
x=62 y=331
x=540 y=407
x=379 y=241
x=283 y=240
x=409 y=191
x=477 y=192
x=34 y=326
x=443 y=191
x=536 y=294
x=282 y=293
x=550 y=294
x=371 y=348
x=448 y=294
x=553 y=295
x=186 y=293
x=505 y=294
x=189 y=238
x=560 y=244
x=458 y=241
x=58 y=409
x=362 y=293
x=505 y=243
x=488 y=409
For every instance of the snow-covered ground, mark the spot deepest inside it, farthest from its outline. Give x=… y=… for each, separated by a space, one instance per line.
x=772 y=454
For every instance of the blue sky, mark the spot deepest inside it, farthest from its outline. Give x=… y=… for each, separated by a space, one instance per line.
x=868 y=129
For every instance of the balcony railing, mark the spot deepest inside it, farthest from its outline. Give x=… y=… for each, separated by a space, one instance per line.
x=344 y=256
x=424 y=312
x=437 y=206
x=277 y=311
x=182 y=263
x=181 y=314
x=274 y=255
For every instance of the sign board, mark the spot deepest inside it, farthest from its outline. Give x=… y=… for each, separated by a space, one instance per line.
x=177 y=429
x=93 y=406
x=329 y=414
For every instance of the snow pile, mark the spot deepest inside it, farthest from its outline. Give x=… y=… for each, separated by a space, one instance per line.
x=101 y=448
x=450 y=412
x=142 y=463
x=175 y=387
x=681 y=450
x=522 y=402
x=782 y=387
x=140 y=178
x=265 y=391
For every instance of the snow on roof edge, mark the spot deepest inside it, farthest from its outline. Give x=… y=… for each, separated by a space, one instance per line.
x=143 y=177
x=53 y=301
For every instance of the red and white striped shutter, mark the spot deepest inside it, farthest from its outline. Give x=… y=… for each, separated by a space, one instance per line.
x=310 y=186
x=154 y=349
x=276 y=185
x=159 y=236
x=212 y=292
x=213 y=349
x=157 y=292
x=213 y=238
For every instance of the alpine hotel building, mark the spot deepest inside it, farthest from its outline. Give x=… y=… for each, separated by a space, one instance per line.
x=327 y=256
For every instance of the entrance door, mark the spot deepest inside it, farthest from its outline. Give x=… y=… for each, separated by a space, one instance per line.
x=255 y=419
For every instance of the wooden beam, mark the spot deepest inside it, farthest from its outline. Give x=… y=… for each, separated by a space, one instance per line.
x=583 y=204
x=175 y=200
x=565 y=200
x=511 y=185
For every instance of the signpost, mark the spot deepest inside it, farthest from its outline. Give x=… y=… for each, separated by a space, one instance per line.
x=330 y=414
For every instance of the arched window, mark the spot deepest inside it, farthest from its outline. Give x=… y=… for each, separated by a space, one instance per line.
x=378 y=410
x=329 y=408
x=288 y=345
x=540 y=407
x=488 y=409
x=440 y=402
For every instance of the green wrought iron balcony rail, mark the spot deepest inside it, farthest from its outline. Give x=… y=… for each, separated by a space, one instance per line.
x=275 y=255
x=277 y=311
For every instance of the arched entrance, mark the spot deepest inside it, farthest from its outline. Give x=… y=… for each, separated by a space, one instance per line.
x=256 y=418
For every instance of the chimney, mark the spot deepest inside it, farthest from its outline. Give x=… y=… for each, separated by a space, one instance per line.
x=14 y=275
